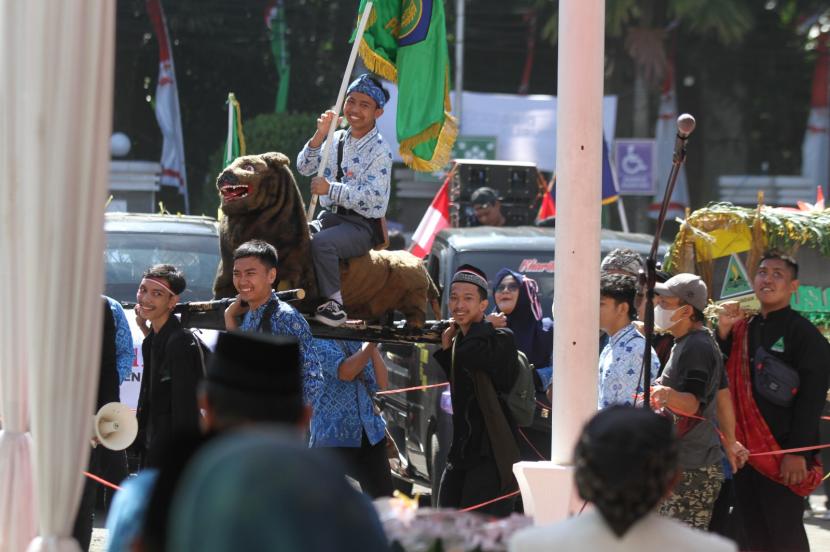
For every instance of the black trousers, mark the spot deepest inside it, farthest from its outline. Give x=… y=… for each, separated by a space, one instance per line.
x=369 y=466
x=469 y=486
x=111 y=466
x=769 y=515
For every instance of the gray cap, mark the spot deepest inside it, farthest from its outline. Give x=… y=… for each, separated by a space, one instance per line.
x=687 y=287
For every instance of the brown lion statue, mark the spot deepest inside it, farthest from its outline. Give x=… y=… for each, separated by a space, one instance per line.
x=260 y=200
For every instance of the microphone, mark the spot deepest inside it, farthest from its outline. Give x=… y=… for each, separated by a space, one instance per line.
x=685 y=126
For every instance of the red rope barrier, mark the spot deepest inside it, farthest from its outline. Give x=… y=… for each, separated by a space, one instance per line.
x=417 y=388
x=539 y=454
x=102 y=481
x=483 y=504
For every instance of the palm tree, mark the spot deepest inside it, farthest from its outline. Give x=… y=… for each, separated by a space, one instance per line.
x=644 y=26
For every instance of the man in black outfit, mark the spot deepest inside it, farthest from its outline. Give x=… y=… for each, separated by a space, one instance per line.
x=480 y=363
x=173 y=361
x=770 y=490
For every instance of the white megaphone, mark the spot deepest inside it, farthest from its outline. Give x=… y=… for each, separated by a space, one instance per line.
x=115 y=426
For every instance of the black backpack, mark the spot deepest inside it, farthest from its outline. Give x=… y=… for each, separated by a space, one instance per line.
x=521 y=400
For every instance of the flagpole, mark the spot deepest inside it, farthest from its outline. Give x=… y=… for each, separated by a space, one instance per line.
x=312 y=203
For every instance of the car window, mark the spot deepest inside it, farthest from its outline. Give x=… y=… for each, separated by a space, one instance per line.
x=128 y=255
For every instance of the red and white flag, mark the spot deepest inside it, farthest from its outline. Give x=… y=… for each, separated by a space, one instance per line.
x=436 y=219
x=814 y=150
x=173 y=172
x=664 y=138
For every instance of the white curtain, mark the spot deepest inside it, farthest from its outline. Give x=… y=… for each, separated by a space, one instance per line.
x=55 y=112
x=18 y=525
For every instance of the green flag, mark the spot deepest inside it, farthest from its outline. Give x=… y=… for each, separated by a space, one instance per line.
x=235 y=142
x=275 y=20
x=406 y=42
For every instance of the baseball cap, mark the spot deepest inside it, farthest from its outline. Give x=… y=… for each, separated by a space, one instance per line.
x=687 y=287
x=483 y=196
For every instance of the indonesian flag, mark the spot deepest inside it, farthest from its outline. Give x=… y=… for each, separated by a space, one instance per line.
x=814 y=150
x=173 y=171
x=664 y=138
x=548 y=207
x=436 y=219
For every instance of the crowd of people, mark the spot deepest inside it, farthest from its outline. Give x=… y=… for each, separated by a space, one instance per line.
x=249 y=446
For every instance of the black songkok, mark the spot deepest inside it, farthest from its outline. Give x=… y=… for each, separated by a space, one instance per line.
x=256 y=364
x=471 y=275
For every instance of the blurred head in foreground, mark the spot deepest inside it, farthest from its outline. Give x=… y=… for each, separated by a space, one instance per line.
x=626 y=462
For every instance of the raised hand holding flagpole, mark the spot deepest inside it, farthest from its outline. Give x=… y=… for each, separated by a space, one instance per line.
x=312 y=203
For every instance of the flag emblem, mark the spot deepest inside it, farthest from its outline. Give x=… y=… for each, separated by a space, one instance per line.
x=778 y=346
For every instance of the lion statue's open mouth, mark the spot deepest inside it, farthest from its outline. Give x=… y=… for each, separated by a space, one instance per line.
x=232 y=192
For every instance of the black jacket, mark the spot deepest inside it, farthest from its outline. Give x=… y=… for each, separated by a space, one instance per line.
x=172 y=371
x=493 y=352
x=807 y=352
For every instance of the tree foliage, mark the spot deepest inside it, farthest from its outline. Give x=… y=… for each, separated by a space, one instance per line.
x=283 y=132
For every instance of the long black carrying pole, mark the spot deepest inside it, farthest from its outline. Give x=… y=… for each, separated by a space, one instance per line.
x=685 y=126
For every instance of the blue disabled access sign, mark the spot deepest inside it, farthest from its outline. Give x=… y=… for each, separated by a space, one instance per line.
x=634 y=164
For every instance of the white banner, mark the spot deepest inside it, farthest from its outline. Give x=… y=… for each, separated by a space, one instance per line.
x=524 y=126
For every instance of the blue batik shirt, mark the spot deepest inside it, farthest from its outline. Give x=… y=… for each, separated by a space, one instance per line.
x=620 y=363
x=287 y=321
x=124 y=348
x=367 y=172
x=344 y=409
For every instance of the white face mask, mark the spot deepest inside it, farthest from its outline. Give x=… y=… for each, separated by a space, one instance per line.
x=663 y=318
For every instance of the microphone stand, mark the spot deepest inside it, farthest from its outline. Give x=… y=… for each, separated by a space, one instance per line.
x=648 y=279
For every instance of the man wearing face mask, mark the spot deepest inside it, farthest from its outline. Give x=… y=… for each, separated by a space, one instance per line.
x=687 y=390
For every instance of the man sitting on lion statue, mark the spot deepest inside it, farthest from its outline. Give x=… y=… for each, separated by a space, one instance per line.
x=260 y=200
x=354 y=190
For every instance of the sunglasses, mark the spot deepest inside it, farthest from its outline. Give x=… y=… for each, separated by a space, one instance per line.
x=507 y=288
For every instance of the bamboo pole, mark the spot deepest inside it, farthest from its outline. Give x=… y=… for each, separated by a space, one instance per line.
x=361 y=27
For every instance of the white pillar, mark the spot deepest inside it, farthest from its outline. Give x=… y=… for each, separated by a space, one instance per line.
x=547 y=488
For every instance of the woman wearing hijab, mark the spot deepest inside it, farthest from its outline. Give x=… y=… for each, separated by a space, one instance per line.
x=518 y=308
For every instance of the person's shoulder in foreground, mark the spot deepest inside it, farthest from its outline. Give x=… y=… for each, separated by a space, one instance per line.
x=589 y=532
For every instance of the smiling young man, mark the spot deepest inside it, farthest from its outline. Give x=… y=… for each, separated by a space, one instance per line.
x=172 y=361
x=621 y=360
x=354 y=189
x=254 y=273
x=778 y=341
x=480 y=365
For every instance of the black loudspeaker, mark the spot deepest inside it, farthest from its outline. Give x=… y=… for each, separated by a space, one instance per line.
x=516 y=183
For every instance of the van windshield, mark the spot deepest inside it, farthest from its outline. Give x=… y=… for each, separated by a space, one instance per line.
x=128 y=255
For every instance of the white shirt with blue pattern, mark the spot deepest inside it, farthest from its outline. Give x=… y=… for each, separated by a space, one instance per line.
x=344 y=410
x=620 y=363
x=367 y=172
x=287 y=321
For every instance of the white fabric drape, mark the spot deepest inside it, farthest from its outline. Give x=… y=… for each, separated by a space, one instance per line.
x=18 y=525
x=56 y=113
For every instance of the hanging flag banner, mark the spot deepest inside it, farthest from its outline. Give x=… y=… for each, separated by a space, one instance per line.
x=405 y=42
x=634 y=161
x=235 y=141
x=168 y=115
x=436 y=219
x=665 y=133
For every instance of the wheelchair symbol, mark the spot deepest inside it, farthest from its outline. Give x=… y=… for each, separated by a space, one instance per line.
x=632 y=163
